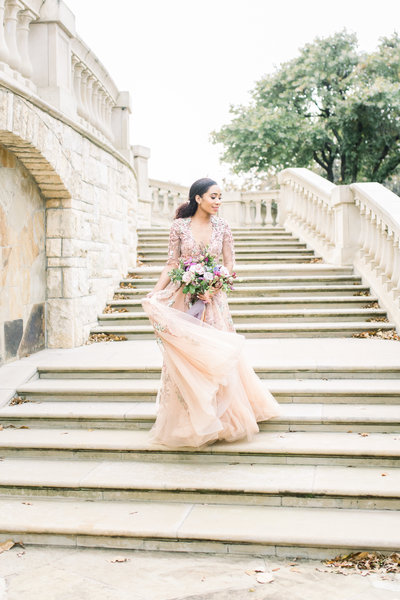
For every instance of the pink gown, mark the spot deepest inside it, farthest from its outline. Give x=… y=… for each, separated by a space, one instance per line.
x=208 y=390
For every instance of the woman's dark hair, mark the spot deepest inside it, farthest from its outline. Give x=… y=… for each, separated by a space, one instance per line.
x=198 y=188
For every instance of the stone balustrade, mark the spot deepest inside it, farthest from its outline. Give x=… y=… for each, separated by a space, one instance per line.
x=251 y=209
x=348 y=225
x=42 y=57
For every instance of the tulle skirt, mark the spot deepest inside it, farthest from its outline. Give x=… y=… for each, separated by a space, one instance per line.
x=208 y=390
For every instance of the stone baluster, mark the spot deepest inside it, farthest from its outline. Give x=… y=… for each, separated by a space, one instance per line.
x=247 y=213
x=95 y=103
x=396 y=266
x=165 y=196
x=268 y=212
x=3 y=44
x=77 y=67
x=156 y=200
x=258 y=217
x=109 y=107
x=84 y=92
x=89 y=95
x=389 y=259
x=25 y=19
x=176 y=202
x=13 y=7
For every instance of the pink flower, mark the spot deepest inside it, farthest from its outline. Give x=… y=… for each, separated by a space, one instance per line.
x=208 y=276
x=187 y=277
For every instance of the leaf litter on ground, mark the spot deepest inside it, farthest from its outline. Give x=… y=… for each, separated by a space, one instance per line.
x=365 y=563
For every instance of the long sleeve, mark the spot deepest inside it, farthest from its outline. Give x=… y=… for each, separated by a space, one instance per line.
x=228 y=249
x=174 y=247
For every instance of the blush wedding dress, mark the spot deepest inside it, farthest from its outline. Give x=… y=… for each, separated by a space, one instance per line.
x=208 y=390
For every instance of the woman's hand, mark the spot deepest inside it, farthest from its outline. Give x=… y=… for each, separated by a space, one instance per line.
x=206 y=297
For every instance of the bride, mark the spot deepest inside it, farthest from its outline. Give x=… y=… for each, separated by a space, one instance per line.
x=208 y=390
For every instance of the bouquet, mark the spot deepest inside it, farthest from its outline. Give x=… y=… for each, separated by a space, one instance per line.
x=199 y=276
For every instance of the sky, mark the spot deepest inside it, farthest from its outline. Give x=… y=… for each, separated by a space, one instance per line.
x=185 y=62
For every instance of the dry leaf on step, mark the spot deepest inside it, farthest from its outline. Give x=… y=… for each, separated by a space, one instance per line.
x=250 y=572
x=383 y=474
x=265 y=578
x=364 y=434
x=27 y=503
x=119 y=559
x=4 y=546
x=276 y=569
x=295 y=570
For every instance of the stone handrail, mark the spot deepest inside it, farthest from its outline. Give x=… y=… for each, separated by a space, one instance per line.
x=43 y=59
x=250 y=209
x=348 y=225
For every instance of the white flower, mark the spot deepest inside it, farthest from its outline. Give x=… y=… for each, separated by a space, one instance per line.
x=224 y=271
x=187 y=277
x=208 y=276
x=199 y=269
x=192 y=268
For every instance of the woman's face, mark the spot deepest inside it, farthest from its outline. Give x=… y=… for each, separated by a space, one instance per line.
x=211 y=200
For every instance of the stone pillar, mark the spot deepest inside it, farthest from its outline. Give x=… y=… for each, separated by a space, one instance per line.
x=141 y=156
x=13 y=7
x=50 y=46
x=77 y=67
x=346 y=226
x=120 y=124
x=3 y=43
x=25 y=19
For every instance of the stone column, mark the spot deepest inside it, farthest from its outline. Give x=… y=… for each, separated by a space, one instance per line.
x=3 y=43
x=84 y=92
x=25 y=19
x=258 y=219
x=13 y=7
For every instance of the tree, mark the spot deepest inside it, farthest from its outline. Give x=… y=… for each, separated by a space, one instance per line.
x=332 y=106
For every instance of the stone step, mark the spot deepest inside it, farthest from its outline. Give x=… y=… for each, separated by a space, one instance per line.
x=311 y=447
x=182 y=526
x=250 y=245
x=254 y=302
x=263 y=330
x=257 y=315
x=217 y=483
x=267 y=270
x=275 y=290
x=144 y=389
x=283 y=372
x=292 y=258
x=358 y=418
x=251 y=231
x=240 y=254
x=264 y=280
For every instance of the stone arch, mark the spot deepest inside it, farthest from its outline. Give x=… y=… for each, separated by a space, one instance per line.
x=44 y=174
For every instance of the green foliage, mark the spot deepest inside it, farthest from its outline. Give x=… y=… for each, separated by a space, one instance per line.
x=332 y=106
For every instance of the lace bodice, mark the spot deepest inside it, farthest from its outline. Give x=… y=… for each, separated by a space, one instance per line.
x=182 y=243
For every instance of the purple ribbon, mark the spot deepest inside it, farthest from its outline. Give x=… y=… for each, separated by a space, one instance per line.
x=197 y=309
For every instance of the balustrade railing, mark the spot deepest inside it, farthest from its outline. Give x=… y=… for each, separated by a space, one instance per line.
x=41 y=55
x=245 y=209
x=348 y=225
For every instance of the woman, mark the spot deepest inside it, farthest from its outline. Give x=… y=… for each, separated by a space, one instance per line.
x=208 y=391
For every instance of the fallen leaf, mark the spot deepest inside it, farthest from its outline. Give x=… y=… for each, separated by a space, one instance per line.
x=135 y=512
x=21 y=554
x=1 y=427
x=262 y=570
x=119 y=559
x=364 y=434
x=383 y=474
x=293 y=564
x=252 y=589
x=294 y=570
x=265 y=578
x=4 y=546
x=27 y=503
x=276 y=569
x=250 y=572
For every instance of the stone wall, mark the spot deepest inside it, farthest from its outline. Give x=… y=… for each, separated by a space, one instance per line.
x=87 y=194
x=22 y=260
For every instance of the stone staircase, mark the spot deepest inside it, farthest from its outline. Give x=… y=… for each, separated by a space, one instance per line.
x=281 y=292
x=322 y=478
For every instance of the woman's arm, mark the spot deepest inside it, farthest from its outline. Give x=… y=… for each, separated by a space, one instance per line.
x=174 y=252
